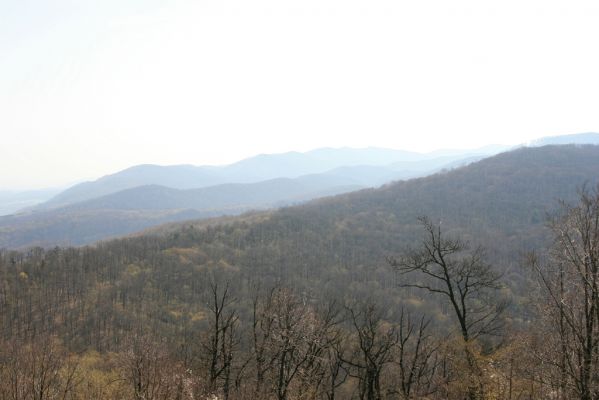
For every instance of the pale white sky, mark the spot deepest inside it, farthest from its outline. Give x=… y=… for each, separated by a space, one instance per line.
x=91 y=87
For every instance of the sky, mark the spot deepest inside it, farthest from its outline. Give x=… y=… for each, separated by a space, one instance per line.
x=91 y=87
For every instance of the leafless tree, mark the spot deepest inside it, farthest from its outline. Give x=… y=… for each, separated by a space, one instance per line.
x=37 y=369
x=221 y=342
x=300 y=340
x=416 y=358
x=450 y=268
x=336 y=368
x=375 y=341
x=570 y=279
x=144 y=363
x=263 y=330
x=291 y=343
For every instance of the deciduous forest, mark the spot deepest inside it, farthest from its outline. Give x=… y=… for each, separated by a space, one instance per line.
x=476 y=283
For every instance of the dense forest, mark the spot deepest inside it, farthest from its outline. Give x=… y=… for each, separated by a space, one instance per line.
x=472 y=283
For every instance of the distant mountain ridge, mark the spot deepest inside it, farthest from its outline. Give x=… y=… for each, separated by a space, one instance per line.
x=221 y=197
x=13 y=201
x=131 y=210
x=394 y=163
x=378 y=166
x=578 y=138
x=135 y=208
x=143 y=207
x=147 y=195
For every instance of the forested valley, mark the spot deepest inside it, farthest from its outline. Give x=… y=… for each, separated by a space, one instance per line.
x=480 y=282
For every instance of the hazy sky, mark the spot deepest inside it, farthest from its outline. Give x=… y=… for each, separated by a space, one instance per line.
x=90 y=87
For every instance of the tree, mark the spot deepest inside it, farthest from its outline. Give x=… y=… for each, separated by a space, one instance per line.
x=263 y=326
x=292 y=341
x=144 y=364
x=222 y=341
x=301 y=338
x=38 y=369
x=415 y=358
x=336 y=371
x=374 y=344
x=448 y=267
x=569 y=277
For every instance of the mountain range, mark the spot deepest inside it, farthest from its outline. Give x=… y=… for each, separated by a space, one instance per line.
x=380 y=165
x=335 y=246
x=148 y=195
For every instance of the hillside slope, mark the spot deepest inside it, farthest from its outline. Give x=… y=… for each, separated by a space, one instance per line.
x=134 y=209
x=92 y=297
x=222 y=197
x=500 y=202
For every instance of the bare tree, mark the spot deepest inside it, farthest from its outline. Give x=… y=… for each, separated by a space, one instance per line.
x=291 y=343
x=448 y=267
x=416 y=358
x=375 y=341
x=38 y=370
x=222 y=340
x=300 y=340
x=144 y=364
x=336 y=369
x=263 y=326
x=570 y=279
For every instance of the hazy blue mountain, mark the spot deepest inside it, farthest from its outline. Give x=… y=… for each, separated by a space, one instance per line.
x=295 y=164
x=137 y=208
x=222 y=197
x=487 y=150
x=372 y=175
x=578 y=138
x=264 y=167
x=269 y=166
x=435 y=164
x=404 y=164
x=369 y=175
x=174 y=176
x=13 y=201
x=122 y=212
x=377 y=156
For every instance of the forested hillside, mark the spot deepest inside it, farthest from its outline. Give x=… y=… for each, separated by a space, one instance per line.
x=132 y=200
x=135 y=209
x=322 y=270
